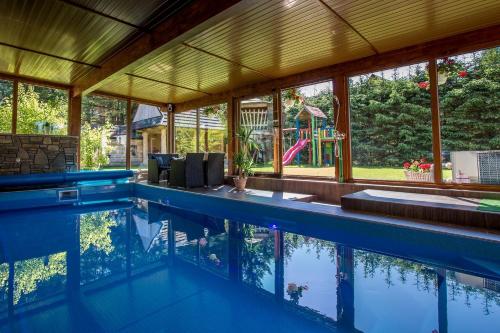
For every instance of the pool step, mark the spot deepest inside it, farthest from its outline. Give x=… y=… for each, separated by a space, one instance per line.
x=454 y=210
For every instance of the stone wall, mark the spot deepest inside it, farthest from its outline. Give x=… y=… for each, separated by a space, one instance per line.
x=25 y=154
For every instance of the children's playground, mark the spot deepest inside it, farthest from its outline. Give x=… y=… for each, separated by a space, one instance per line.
x=311 y=146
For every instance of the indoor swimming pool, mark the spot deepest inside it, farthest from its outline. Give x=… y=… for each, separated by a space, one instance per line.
x=130 y=264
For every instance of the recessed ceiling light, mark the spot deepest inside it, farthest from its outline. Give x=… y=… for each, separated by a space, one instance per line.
x=290 y=3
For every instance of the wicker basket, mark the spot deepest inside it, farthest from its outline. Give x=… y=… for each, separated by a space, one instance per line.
x=419 y=176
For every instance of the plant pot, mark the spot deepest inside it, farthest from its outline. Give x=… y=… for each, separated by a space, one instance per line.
x=240 y=183
x=289 y=102
x=442 y=78
x=419 y=176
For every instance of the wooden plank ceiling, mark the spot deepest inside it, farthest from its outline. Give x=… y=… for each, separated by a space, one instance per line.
x=56 y=40
x=262 y=40
x=270 y=39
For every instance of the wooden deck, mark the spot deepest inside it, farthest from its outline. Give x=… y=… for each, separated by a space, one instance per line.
x=306 y=202
x=227 y=190
x=454 y=210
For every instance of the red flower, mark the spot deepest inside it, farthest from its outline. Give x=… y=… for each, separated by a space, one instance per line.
x=423 y=85
x=462 y=73
x=426 y=166
x=406 y=165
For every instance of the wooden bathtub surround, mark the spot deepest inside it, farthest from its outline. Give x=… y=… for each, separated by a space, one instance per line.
x=428 y=207
x=331 y=192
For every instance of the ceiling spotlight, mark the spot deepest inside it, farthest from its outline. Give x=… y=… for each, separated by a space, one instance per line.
x=290 y=3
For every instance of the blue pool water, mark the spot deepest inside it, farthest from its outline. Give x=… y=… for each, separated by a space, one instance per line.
x=132 y=265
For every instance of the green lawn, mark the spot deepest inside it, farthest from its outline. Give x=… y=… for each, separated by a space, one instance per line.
x=358 y=172
x=382 y=173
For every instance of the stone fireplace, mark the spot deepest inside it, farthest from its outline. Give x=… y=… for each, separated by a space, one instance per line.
x=26 y=154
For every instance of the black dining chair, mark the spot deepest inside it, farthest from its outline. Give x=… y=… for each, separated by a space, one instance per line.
x=158 y=163
x=187 y=172
x=214 y=169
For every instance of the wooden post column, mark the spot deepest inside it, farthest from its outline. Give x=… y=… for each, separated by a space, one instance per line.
x=128 y=162
x=279 y=129
x=164 y=133
x=343 y=125
x=75 y=121
x=232 y=109
x=15 y=103
x=197 y=130
x=436 y=122
x=171 y=132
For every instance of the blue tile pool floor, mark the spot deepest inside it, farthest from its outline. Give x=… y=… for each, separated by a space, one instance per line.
x=138 y=266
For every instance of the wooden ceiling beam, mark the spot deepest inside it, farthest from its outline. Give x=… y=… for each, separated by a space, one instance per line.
x=166 y=83
x=96 y=12
x=33 y=80
x=234 y=63
x=461 y=43
x=191 y=19
x=126 y=98
x=50 y=55
x=356 y=31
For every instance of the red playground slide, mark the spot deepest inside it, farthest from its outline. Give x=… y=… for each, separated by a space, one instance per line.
x=290 y=153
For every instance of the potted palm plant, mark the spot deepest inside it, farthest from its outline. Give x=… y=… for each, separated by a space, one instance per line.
x=243 y=159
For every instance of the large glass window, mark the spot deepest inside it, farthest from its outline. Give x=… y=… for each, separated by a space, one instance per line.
x=213 y=130
x=391 y=126
x=42 y=110
x=6 y=88
x=149 y=133
x=103 y=138
x=185 y=132
x=469 y=102
x=308 y=131
x=257 y=115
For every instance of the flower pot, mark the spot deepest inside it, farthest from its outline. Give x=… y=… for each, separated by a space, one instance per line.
x=419 y=176
x=442 y=78
x=289 y=102
x=240 y=183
